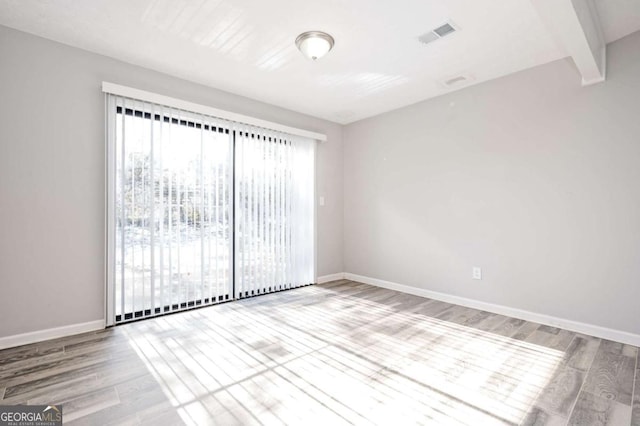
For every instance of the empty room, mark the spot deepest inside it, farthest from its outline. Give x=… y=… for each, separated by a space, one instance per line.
x=243 y=212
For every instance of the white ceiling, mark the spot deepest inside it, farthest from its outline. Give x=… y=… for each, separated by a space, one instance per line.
x=247 y=46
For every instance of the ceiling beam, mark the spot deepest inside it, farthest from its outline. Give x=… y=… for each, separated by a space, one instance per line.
x=575 y=26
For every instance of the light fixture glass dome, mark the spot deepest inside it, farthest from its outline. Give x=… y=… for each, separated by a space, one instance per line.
x=314 y=44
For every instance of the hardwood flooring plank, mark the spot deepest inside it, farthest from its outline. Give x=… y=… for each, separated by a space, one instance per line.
x=619 y=348
x=131 y=389
x=166 y=414
x=525 y=330
x=94 y=368
x=559 y=395
x=58 y=370
x=456 y=314
x=18 y=351
x=581 y=352
x=93 y=420
x=629 y=350
x=7 y=360
x=32 y=348
x=490 y=322
x=594 y=410
x=93 y=336
x=224 y=408
x=335 y=283
x=6 y=370
x=134 y=398
x=474 y=317
x=59 y=365
x=43 y=391
x=105 y=378
x=611 y=375
x=131 y=421
x=410 y=305
x=551 y=337
x=433 y=308
x=509 y=327
x=105 y=341
x=89 y=403
x=539 y=417
x=46 y=347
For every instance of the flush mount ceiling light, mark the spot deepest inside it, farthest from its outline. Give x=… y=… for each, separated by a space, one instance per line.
x=314 y=44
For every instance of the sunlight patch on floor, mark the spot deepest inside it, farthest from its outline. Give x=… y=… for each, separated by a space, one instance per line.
x=315 y=359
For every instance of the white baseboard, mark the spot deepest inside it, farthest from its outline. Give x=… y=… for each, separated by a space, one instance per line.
x=575 y=326
x=331 y=277
x=50 y=333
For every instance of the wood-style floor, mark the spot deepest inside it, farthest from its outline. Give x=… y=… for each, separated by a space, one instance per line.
x=330 y=354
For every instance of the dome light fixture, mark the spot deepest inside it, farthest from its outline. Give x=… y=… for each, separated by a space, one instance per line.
x=314 y=44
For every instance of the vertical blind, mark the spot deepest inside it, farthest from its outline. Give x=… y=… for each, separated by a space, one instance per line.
x=202 y=210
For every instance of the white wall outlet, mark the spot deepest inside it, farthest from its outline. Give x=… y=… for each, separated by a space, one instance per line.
x=477 y=273
x=321 y=201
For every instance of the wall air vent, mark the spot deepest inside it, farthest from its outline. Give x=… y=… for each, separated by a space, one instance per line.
x=437 y=33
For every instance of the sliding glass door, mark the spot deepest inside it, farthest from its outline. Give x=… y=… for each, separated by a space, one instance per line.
x=202 y=210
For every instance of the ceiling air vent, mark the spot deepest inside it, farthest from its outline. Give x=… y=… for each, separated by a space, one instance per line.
x=444 y=30
x=437 y=33
x=455 y=80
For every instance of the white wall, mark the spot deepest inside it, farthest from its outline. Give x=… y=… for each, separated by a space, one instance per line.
x=52 y=176
x=531 y=177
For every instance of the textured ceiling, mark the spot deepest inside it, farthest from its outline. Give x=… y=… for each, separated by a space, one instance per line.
x=247 y=46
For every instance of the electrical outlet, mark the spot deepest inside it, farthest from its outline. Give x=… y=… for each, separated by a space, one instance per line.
x=477 y=273
x=321 y=201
